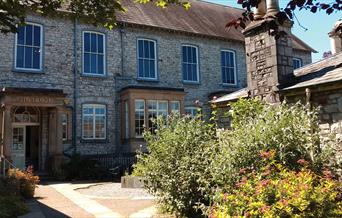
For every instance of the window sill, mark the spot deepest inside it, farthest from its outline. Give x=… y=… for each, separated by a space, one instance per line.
x=191 y=83
x=147 y=80
x=15 y=70
x=94 y=141
x=94 y=76
x=230 y=85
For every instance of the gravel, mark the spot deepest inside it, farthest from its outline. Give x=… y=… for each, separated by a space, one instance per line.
x=114 y=190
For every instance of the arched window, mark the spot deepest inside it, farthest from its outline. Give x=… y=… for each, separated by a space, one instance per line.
x=26 y=115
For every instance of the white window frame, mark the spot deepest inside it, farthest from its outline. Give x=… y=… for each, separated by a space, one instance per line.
x=171 y=108
x=140 y=110
x=300 y=62
x=104 y=53
x=66 y=124
x=197 y=63
x=40 y=48
x=192 y=108
x=94 y=106
x=149 y=59
x=235 y=71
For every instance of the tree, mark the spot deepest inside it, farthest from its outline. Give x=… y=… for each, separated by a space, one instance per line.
x=103 y=12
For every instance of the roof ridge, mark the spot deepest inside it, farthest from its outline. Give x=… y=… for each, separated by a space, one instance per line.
x=217 y=4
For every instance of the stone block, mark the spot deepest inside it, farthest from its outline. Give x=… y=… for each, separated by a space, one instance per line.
x=331 y=108
x=337 y=117
x=132 y=182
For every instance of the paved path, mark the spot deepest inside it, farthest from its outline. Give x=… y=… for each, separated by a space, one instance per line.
x=95 y=200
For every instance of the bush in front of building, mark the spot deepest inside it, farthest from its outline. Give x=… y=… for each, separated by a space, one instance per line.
x=177 y=167
x=276 y=191
x=25 y=181
x=11 y=202
x=189 y=161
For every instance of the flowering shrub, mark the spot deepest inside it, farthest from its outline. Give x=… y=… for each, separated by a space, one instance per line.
x=291 y=130
x=26 y=181
x=275 y=191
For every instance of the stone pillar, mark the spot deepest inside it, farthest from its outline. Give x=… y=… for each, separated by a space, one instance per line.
x=44 y=139
x=272 y=7
x=55 y=138
x=260 y=11
x=269 y=60
x=7 y=131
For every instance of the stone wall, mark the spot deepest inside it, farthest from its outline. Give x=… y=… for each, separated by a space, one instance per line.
x=169 y=63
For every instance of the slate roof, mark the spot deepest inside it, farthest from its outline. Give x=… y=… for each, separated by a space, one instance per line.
x=203 y=18
x=242 y=93
x=324 y=71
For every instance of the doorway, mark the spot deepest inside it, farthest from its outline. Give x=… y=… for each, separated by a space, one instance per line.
x=25 y=146
x=32 y=147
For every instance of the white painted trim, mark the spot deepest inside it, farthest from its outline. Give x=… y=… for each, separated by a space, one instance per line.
x=235 y=71
x=40 y=47
x=197 y=63
x=104 y=53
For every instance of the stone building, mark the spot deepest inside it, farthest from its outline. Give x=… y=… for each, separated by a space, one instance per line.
x=271 y=77
x=71 y=87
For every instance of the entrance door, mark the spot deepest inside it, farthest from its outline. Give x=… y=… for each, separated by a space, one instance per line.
x=18 y=146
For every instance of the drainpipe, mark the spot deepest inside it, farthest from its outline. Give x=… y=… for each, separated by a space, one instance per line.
x=74 y=111
x=122 y=31
x=117 y=102
x=2 y=135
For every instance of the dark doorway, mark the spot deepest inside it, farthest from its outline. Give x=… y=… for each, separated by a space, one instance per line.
x=32 y=146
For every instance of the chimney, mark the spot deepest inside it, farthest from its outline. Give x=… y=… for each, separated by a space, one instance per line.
x=269 y=59
x=336 y=38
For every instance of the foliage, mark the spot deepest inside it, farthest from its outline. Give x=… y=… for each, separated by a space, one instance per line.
x=11 y=206
x=11 y=202
x=286 y=14
x=292 y=131
x=26 y=179
x=177 y=166
x=99 y=12
x=80 y=168
x=275 y=191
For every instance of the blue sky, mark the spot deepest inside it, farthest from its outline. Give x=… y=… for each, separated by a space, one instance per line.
x=318 y=26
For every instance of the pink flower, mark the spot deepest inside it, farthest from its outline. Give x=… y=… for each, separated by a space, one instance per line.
x=265 y=154
x=242 y=171
x=327 y=174
x=302 y=162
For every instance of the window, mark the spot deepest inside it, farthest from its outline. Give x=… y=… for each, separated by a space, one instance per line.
x=147 y=64
x=139 y=117
x=28 y=49
x=93 y=53
x=297 y=63
x=94 y=121
x=175 y=106
x=190 y=63
x=192 y=111
x=154 y=110
x=228 y=67
x=64 y=127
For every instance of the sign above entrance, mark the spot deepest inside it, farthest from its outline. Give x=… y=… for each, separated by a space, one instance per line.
x=38 y=101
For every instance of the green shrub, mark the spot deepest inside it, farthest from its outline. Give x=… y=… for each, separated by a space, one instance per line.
x=177 y=166
x=292 y=131
x=275 y=191
x=26 y=181
x=11 y=202
x=11 y=206
x=80 y=168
